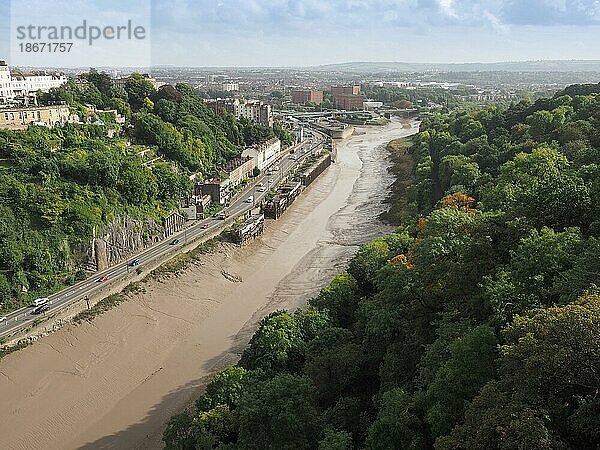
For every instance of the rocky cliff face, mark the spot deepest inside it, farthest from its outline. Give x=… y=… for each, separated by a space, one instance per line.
x=121 y=239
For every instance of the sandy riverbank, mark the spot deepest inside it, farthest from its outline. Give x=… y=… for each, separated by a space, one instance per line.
x=113 y=383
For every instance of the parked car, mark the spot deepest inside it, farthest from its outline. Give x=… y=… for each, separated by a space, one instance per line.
x=205 y=226
x=135 y=262
x=103 y=278
x=175 y=241
x=250 y=199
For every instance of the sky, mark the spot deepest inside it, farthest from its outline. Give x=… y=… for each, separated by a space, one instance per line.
x=313 y=32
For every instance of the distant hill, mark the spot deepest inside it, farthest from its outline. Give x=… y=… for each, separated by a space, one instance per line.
x=515 y=66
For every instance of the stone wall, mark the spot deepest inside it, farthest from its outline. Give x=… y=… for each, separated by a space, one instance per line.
x=121 y=239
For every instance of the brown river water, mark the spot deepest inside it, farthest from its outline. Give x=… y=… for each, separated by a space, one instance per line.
x=113 y=383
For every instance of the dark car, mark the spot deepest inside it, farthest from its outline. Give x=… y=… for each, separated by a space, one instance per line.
x=175 y=242
x=40 y=309
x=135 y=262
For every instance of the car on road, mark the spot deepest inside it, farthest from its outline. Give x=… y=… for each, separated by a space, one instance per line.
x=261 y=189
x=175 y=241
x=270 y=181
x=39 y=302
x=250 y=199
x=40 y=309
x=293 y=157
x=135 y=262
x=223 y=216
x=205 y=226
x=2 y=319
x=103 y=278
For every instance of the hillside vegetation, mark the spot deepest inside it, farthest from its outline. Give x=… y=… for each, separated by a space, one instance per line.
x=476 y=325
x=59 y=187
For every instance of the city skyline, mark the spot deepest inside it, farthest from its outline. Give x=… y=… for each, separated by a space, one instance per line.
x=308 y=32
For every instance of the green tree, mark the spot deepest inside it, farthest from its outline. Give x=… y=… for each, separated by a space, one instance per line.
x=398 y=424
x=340 y=300
x=278 y=414
x=277 y=345
x=336 y=440
x=138 y=89
x=225 y=388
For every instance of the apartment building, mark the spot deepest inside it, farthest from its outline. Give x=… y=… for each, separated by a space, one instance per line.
x=16 y=86
x=256 y=111
x=21 y=118
x=345 y=90
x=265 y=153
x=348 y=102
x=301 y=96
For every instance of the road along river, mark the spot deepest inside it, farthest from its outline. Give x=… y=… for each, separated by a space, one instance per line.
x=114 y=382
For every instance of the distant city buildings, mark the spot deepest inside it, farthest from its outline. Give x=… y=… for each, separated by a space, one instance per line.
x=230 y=87
x=254 y=110
x=371 y=105
x=348 y=102
x=301 y=96
x=120 y=81
x=21 y=87
x=347 y=97
x=257 y=111
x=220 y=105
x=345 y=90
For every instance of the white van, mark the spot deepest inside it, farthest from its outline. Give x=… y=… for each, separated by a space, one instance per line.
x=40 y=301
x=250 y=199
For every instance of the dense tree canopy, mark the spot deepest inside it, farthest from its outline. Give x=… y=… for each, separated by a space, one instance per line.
x=475 y=325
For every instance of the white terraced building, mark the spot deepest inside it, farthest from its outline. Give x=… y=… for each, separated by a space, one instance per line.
x=21 y=87
x=264 y=154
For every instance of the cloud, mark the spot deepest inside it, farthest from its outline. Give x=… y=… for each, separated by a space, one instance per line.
x=446 y=7
x=551 y=12
x=497 y=25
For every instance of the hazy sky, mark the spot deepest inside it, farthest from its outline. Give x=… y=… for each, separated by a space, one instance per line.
x=307 y=32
